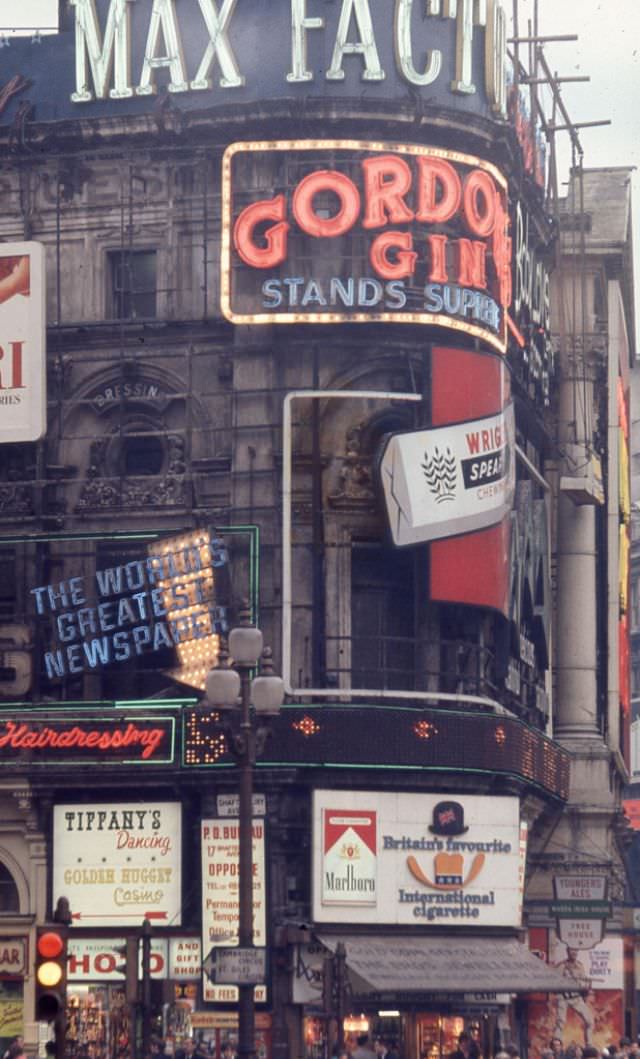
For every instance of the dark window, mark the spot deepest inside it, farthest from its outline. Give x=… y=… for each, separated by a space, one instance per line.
x=382 y=618
x=8 y=587
x=133 y=284
x=9 y=898
x=142 y=454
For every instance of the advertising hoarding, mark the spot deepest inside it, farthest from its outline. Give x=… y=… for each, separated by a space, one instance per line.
x=119 y=863
x=416 y=859
x=450 y=480
x=23 y=366
x=111 y=58
x=348 y=231
x=220 y=842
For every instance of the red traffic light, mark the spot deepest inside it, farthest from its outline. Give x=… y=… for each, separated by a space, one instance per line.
x=50 y=944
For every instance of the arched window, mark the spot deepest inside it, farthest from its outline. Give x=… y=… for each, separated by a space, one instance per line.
x=9 y=897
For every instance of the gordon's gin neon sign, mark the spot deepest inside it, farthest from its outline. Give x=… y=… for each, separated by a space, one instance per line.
x=357 y=231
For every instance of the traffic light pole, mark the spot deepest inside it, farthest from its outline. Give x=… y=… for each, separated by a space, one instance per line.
x=60 y=1034
x=146 y=988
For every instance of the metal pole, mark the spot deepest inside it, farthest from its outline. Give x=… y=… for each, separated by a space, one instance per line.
x=341 y=984
x=60 y=1034
x=146 y=988
x=246 y=1015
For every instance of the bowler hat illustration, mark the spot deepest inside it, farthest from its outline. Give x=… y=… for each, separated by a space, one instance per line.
x=448 y=819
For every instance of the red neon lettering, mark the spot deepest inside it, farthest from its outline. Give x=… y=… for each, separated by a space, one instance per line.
x=472 y=268
x=22 y=737
x=386 y=181
x=479 y=200
x=406 y=258
x=438 y=256
x=326 y=227
x=275 y=252
x=439 y=191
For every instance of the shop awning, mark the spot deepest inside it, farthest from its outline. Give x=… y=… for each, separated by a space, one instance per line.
x=445 y=964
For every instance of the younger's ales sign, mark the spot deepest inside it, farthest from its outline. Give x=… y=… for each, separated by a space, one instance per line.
x=349 y=231
x=22 y=342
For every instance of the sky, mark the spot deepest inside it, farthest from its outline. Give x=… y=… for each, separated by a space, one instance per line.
x=608 y=51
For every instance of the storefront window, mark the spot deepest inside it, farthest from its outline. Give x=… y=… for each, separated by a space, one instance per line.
x=11 y=1013
x=98 y=1023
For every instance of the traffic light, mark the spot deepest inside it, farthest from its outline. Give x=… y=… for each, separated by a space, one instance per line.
x=51 y=972
x=129 y=968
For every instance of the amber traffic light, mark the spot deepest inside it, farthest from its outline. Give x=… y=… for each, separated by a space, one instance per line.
x=51 y=972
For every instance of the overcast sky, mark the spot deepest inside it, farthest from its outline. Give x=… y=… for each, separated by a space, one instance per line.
x=608 y=51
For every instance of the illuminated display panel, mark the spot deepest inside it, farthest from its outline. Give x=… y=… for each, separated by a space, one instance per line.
x=335 y=231
x=339 y=736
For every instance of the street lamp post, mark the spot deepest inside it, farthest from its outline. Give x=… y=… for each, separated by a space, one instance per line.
x=231 y=688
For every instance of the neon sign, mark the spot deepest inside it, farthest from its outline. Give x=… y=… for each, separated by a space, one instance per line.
x=168 y=599
x=124 y=739
x=363 y=231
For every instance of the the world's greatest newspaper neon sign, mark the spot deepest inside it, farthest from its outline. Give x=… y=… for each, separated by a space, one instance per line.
x=353 y=231
x=166 y=599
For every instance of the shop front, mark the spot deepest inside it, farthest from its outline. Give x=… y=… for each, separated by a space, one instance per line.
x=13 y=970
x=421 y=992
x=417 y=901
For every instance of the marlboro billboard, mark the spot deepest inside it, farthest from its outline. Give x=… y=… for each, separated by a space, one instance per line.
x=22 y=342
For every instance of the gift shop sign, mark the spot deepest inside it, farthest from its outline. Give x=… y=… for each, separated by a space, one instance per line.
x=415 y=859
x=119 y=863
x=449 y=480
x=221 y=895
x=23 y=400
x=361 y=231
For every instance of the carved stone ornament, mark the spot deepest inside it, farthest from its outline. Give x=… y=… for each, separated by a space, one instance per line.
x=356 y=485
x=104 y=490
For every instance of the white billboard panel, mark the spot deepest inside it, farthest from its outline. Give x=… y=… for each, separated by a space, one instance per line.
x=119 y=863
x=23 y=368
x=416 y=859
x=221 y=896
x=448 y=480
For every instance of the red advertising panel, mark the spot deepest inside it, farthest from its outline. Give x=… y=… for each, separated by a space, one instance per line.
x=472 y=568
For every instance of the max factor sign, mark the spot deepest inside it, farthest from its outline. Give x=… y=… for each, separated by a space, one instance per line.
x=129 y=48
x=394 y=233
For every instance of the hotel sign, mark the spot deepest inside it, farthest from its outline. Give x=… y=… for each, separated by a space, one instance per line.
x=416 y=859
x=334 y=231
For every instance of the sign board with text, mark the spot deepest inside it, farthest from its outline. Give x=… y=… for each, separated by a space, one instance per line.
x=23 y=369
x=449 y=480
x=326 y=247
x=236 y=966
x=416 y=859
x=119 y=863
x=221 y=897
